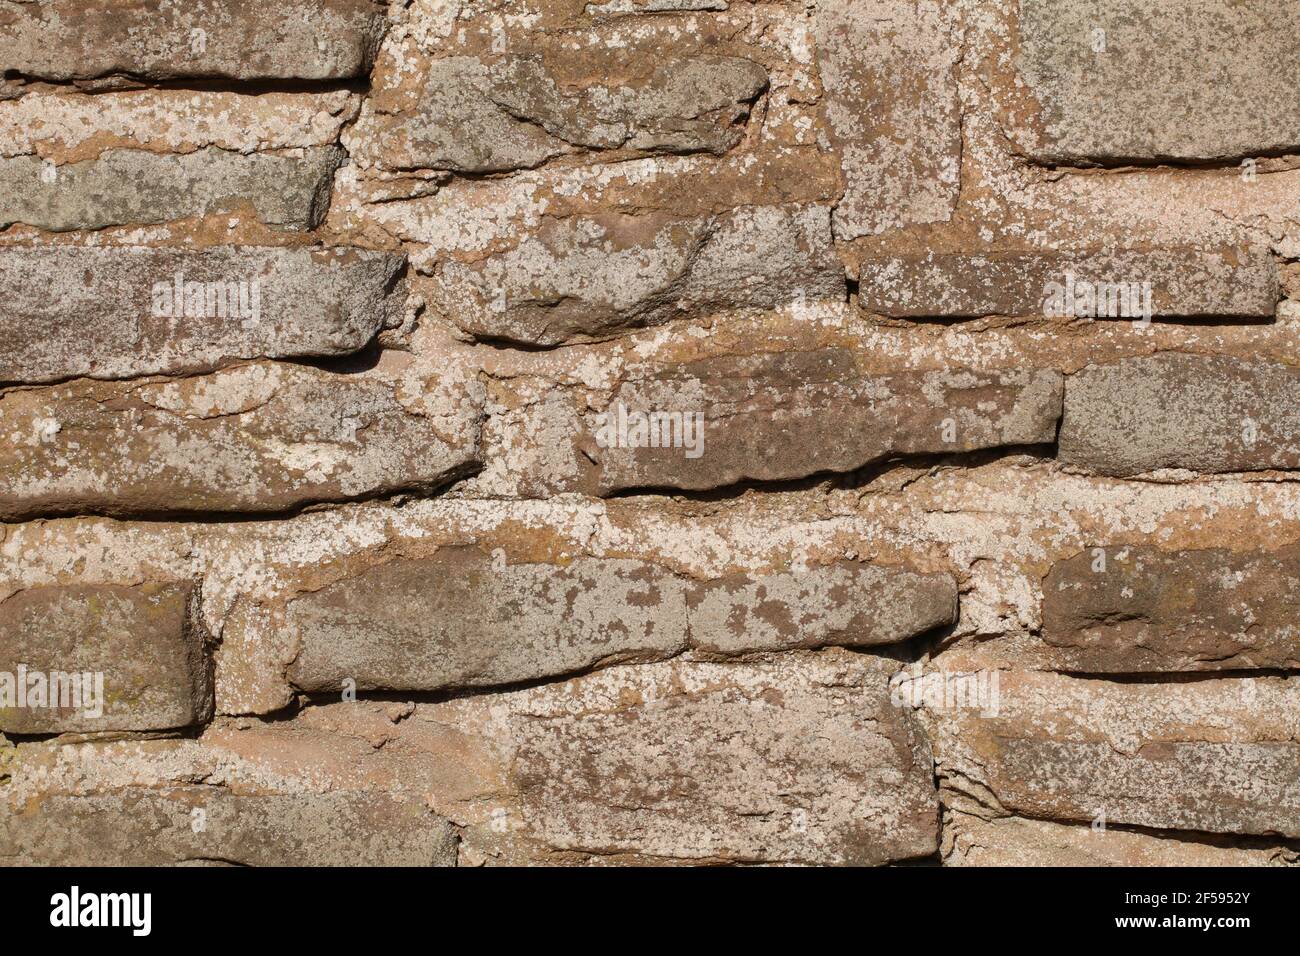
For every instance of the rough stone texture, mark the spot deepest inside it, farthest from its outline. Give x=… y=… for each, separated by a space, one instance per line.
x=596 y=277
x=136 y=186
x=892 y=107
x=239 y=39
x=465 y=618
x=776 y=417
x=1200 y=412
x=1152 y=610
x=1218 y=756
x=205 y=825
x=848 y=604
x=487 y=117
x=1183 y=283
x=1174 y=82
x=143 y=640
x=99 y=312
x=255 y=438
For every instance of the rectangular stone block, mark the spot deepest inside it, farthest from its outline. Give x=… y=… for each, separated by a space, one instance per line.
x=157 y=39
x=1133 y=609
x=117 y=312
x=128 y=186
x=1174 y=410
x=892 y=108
x=846 y=603
x=256 y=438
x=593 y=277
x=515 y=112
x=1119 y=81
x=798 y=761
x=463 y=618
x=1186 y=283
x=773 y=417
x=191 y=825
x=1216 y=756
x=101 y=658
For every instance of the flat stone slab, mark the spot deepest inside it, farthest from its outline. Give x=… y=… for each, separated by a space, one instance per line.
x=1176 y=410
x=101 y=658
x=117 y=312
x=256 y=438
x=157 y=39
x=195 y=825
x=892 y=111
x=513 y=113
x=1215 y=755
x=781 y=416
x=593 y=277
x=1209 y=80
x=129 y=186
x=1188 y=283
x=802 y=760
x=1133 y=609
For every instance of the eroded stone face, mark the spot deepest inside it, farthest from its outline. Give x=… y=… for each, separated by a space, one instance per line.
x=887 y=67
x=1134 y=609
x=1130 y=80
x=1206 y=413
x=237 y=39
x=782 y=416
x=478 y=116
x=464 y=618
x=1218 y=756
x=210 y=825
x=1168 y=283
x=115 y=312
x=848 y=604
x=255 y=438
x=124 y=186
x=597 y=276
x=804 y=760
x=137 y=654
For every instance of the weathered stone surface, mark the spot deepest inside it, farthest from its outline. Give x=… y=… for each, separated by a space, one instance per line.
x=847 y=603
x=781 y=416
x=239 y=39
x=1013 y=841
x=125 y=186
x=1211 y=80
x=803 y=760
x=255 y=438
x=514 y=113
x=592 y=277
x=193 y=825
x=1219 y=756
x=114 y=312
x=465 y=619
x=1152 y=610
x=1186 y=283
x=887 y=67
x=143 y=641
x=1207 y=413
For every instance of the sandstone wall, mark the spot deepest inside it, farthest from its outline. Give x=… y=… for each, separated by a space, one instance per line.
x=325 y=330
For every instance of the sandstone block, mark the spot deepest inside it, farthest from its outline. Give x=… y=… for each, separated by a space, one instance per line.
x=117 y=312
x=102 y=657
x=1119 y=81
x=783 y=416
x=1187 y=283
x=1173 y=410
x=127 y=186
x=592 y=277
x=1152 y=610
x=155 y=39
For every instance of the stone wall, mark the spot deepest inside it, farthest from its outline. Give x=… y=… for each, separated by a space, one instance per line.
x=654 y=431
